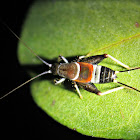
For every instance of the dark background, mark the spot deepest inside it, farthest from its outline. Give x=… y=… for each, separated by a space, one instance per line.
x=20 y=118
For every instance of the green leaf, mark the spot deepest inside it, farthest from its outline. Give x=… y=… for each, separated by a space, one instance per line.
x=73 y=28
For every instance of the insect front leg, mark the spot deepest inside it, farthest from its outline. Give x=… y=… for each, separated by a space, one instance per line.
x=59 y=81
x=63 y=58
x=80 y=57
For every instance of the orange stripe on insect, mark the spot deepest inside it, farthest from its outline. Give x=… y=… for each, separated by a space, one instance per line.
x=85 y=74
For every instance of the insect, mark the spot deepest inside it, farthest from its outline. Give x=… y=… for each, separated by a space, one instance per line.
x=84 y=72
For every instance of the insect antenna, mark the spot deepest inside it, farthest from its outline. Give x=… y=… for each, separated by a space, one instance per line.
x=27 y=46
x=43 y=73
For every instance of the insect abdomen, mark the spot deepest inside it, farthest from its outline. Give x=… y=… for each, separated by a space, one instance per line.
x=85 y=72
x=102 y=74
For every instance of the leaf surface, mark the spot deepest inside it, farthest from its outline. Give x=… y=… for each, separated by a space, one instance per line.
x=73 y=28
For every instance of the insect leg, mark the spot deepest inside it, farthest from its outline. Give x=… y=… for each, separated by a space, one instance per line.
x=110 y=91
x=80 y=57
x=60 y=81
x=77 y=89
x=93 y=59
x=63 y=58
x=118 y=88
x=89 y=87
x=117 y=61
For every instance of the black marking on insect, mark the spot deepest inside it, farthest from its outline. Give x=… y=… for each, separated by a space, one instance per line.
x=85 y=72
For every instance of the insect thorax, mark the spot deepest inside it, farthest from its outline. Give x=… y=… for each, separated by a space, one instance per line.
x=68 y=70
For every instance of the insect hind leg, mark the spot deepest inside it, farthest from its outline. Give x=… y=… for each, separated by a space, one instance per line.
x=117 y=61
x=92 y=59
x=118 y=88
x=110 y=91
